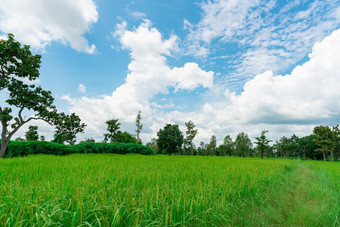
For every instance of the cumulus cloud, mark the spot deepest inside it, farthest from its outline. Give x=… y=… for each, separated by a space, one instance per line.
x=149 y=75
x=41 y=22
x=292 y=103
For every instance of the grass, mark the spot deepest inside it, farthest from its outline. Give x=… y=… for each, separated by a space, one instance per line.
x=136 y=190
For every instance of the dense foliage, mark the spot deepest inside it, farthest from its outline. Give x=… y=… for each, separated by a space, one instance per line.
x=16 y=148
x=170 y=139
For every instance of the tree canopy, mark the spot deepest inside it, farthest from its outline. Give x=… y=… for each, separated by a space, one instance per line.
x=32 y=133
x=67 y=127
x=112 y=128
x=170 y=139
x=191 y=134
x=18 y=64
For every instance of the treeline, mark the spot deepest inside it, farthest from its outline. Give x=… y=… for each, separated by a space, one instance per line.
x=323 y=144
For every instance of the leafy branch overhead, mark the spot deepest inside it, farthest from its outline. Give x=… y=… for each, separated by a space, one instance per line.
x=17 y=65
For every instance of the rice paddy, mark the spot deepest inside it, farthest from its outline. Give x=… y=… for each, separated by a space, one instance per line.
x=136 y=190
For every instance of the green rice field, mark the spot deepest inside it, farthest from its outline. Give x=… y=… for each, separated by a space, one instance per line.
x=137 y=190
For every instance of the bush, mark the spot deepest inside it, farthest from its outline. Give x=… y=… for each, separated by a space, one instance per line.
x=16 y=148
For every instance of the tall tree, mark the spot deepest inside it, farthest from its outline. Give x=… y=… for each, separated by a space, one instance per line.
x=262 y=142
x=67 y=128
x=229 y=145
x=336 y=140
x=32 y=133
x=212 y=145
x=17 y=65
x=243 y=144
x=324 y=139
x=139 y=127
x=170 y=139
x=191 y=134
x=112 y=129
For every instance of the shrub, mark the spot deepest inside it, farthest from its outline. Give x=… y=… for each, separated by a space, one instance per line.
x=16 y=148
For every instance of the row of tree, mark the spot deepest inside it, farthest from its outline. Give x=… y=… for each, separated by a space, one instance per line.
x=323 y=143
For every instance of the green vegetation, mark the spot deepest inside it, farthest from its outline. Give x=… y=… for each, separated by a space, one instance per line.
x=18 y=64
x=41 y=147
x=131 y=190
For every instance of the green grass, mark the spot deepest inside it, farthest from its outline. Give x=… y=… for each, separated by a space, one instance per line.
x=136 y=190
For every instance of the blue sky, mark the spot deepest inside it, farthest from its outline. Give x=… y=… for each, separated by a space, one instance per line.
x=227 y=65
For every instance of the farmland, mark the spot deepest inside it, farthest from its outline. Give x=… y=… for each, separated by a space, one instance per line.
x=131 y=190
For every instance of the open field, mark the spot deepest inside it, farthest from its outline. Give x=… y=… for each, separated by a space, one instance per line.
x=125 y=190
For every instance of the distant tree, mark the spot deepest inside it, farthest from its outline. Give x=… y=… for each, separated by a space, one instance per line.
x=212 y=145
x=17 y=65
x=67 y=128
x=112 y=129
x=220 y=151
x=336 y=141
x=228 y=144
x=243 y=144
x=42 y=138
x=191 y=133
x=293 y=145
x=262 y=143
x=170 y=139
x=88 y=140
x=153 y=145
x=308 y=148
x=124 y=137
x=32 y=133
x=139 y=127
x=19 y=139
x=202 y=149
x=324 y=140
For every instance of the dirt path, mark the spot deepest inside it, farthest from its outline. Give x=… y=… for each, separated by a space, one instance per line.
x=304 y=197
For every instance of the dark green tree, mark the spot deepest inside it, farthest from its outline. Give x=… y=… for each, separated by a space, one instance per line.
x=17 y=64
x=67 y=128
x=243 y=144
x=170 y=139
x=32 y=133
x=112 y=129
x=191 y=134
x=229 y=145
x=308 y=148
x=262 y=143
x=336 y=141
x=124 y=137
x=324 y=139
x=42 y=138
x=139 y=127
x=212 y=145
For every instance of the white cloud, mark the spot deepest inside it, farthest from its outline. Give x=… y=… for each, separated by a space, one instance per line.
x=264 y=33
x=41 y=22
x=149 y=75
x=82 y=88
x=288 y=104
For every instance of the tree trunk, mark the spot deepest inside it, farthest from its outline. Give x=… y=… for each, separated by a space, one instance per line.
x=3 y=149
x=332 y=156
x=324 y=156
x=304 y=154
x=261 y=154
x=4 y=142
